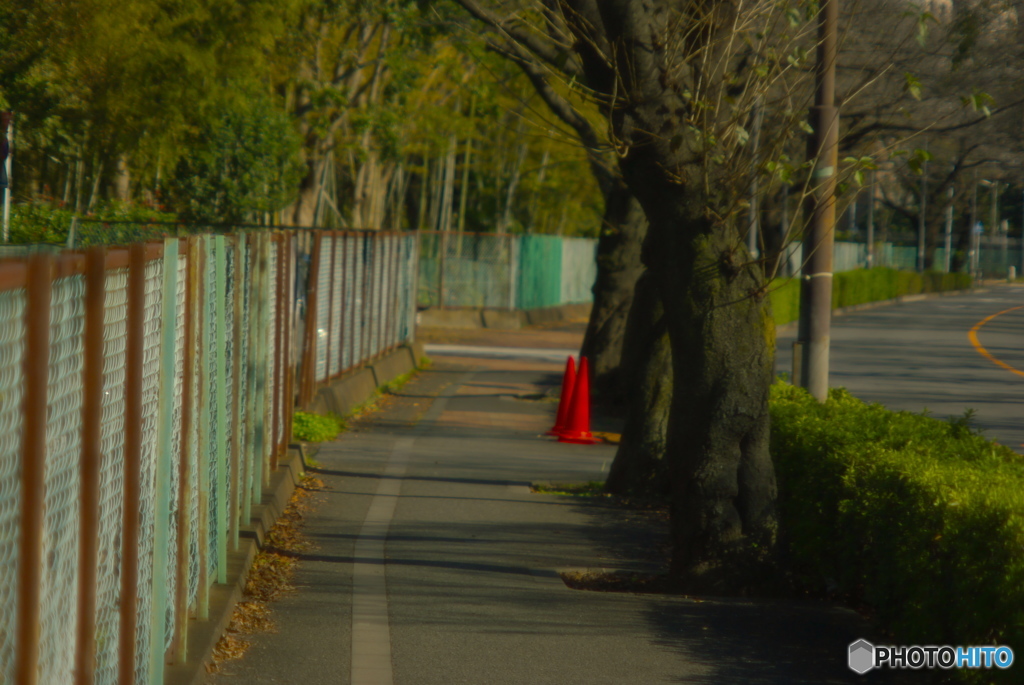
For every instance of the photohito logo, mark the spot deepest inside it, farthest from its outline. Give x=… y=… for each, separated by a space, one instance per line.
x=864 y=656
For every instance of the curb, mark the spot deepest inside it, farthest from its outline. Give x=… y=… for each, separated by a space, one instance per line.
x=340 y=396
x=343 y=394
x=204 y=635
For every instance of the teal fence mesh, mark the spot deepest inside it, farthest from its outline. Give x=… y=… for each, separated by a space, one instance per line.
x=236 y=403
x=12 y=347
x=501 y=271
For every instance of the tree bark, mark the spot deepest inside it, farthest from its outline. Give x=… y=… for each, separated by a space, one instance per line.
x=723 y=519
x=618 y=266
x=640 y=469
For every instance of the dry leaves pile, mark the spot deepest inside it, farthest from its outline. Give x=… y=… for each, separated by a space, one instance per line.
x=270 y=575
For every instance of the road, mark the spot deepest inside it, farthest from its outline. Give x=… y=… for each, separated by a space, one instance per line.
x=918 y=355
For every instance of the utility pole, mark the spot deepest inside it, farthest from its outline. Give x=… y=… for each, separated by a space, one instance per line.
x=1022 y=236
x=921 y=224
x=948 y=245
x=974 y=237
x=994 y=211
x=871 y=223
x=753 y=224
x=784 y=229
x=812 y=349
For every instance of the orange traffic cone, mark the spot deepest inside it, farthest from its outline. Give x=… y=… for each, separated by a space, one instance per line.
x=577 y=426
x=568 y=380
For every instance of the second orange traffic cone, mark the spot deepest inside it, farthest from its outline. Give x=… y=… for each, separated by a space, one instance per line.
x=577 y=426
x=568 y=381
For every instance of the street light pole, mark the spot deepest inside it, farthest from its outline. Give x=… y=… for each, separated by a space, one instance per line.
x=948 y=245
x=921 y=224
x=823 y=148
x=871 y=223
x=975 y=240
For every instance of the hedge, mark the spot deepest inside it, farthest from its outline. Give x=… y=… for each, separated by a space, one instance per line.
x=861 y=286
x=919 y=519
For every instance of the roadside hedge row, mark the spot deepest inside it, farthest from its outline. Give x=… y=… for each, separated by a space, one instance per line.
x=920 y=519
x=861 y=286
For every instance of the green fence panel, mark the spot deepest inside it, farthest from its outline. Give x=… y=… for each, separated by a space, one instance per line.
x=540 y=271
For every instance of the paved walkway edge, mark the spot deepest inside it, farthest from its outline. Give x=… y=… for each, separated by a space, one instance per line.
x=204 y=635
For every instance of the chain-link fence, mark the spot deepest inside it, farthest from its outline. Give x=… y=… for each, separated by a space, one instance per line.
x=134 y=450
x=503 y=271
x=360 y=305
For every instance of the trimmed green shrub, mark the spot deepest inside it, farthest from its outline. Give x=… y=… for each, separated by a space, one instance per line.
x=316 y=428
x=920 y=519
x=850 y=288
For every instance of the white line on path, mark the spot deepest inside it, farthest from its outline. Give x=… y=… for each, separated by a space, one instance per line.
x=371 y=632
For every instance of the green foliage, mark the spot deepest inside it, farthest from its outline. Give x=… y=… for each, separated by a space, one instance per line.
x=44 y=222
x=921 y=519
x=850 y=288
x=316 y=428
x=244 y=161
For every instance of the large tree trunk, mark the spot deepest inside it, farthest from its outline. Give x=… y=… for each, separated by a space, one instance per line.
x=722 y=336
x=618 y=267
x=640 y=469
x=723 y=484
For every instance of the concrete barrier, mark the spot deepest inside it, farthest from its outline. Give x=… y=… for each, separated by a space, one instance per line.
x=344 y=394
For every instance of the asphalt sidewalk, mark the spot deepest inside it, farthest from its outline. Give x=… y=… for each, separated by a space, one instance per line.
x=435 y=564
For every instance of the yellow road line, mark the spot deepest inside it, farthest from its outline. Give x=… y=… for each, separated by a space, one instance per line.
x=973 y=337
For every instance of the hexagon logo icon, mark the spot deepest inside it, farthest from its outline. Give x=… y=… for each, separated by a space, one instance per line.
x=862 y=656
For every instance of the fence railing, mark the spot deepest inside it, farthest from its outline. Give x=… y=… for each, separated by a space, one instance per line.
x=505 y=271
x=146 y=395
x=993 y=260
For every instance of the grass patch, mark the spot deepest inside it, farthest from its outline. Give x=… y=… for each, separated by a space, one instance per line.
x=309 y=427
x=593 y=488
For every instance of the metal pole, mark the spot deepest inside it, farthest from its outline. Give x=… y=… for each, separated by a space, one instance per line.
x=92 y=455
x=974 y=241
x=1022 y=237
x=203 y=444
x=185 y=493
x=220 y=303
x=816 y=291
x=871 y=223
x=36 y=368
x=278 y=333
x=441 y=265
x=949 y=230
x=134 y=360
x=753 y=223
x=237 y=369
x=165 y=430
x=921 y=223
x=784 y=230
x=994 y=211
x=8 y=168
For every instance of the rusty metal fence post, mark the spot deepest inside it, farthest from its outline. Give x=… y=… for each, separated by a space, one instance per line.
x=132 y=463
x=36 y=375
x=91 y=455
